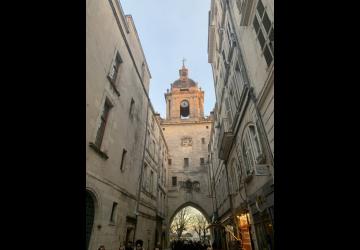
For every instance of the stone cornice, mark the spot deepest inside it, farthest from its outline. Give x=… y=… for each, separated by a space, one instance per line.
x=182 y=122
x=123 y=191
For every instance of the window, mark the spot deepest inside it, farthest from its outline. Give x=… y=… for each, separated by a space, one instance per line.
x=186 y=162
x=115 y=68
x=148 y=140
x=202 y=161
x=271 y=37
x=145 y=177
x=256 y=24
x=256 y=140
x=228 y=32
x=103 y=121
x=264 y=30
x=203 y=140
x=184 y=109
x=174 y=181
x=154 y=148
x=131 y=111
x=114 y=71
x=251 y=149
x=142 y=70
x=151 y=181
x=260 y=8
x=169 y=161
x=224 y=57
x=113 y=212
x=228 y=111
x=266 y=22
x=123 y=159
x=267 y=55
x=239 y=82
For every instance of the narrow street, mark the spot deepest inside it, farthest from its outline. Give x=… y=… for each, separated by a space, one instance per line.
x=180 y=125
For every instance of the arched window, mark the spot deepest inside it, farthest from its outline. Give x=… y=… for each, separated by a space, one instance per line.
x=184 y=109
x=251 y=149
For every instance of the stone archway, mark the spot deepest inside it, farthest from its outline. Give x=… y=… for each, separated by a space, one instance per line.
x=204 y=212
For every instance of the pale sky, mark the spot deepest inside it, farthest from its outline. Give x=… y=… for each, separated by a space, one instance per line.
x=170 y=30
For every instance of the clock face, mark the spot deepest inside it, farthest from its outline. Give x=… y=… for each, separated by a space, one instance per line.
x=184 y=104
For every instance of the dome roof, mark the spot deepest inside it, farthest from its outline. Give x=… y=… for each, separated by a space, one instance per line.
x=187 y=83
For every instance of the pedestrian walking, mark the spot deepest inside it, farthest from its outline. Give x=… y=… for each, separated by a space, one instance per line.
x=139 y=245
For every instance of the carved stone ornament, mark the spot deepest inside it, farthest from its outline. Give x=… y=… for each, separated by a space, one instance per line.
x=190 y=186
x=186 y=141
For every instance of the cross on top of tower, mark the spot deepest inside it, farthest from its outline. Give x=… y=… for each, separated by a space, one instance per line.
x=183 y=60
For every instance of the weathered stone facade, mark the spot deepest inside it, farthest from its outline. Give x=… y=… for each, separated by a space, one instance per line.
x=153 y=198
x=117 y=106
x=240 y=51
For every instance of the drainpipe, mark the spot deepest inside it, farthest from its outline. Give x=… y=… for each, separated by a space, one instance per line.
x=141 y=173
x=253 y=97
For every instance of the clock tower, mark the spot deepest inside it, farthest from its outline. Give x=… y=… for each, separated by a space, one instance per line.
x=185 y=101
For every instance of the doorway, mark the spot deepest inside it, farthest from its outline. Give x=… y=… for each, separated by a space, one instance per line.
x=90 y=213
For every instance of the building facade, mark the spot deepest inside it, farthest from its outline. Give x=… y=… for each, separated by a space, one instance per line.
x=152 y=209
x=241 y=53
x=187 y=133
x=125 y=150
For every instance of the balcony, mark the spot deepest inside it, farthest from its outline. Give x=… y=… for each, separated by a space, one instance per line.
x=226 y=137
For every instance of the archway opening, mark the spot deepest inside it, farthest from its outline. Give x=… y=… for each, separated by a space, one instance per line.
x=188 y=227
x=184 y=109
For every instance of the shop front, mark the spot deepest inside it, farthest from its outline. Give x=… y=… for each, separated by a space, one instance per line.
x=230 y=234
x=244 y=228
x=262 y=209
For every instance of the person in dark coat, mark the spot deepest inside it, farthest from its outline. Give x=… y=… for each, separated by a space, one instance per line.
x=139 y=245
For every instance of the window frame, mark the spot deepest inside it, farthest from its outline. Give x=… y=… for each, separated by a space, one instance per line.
x=113 y=73
x=132 y=108
x=145 y=177
x=268 y=43
x=151 y=184
x=174 y=181
x=113 y=215
x=252 y=148
x=104 y=119
x=186 y=162
x=123 y=160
